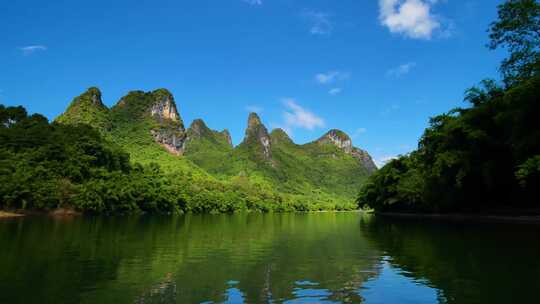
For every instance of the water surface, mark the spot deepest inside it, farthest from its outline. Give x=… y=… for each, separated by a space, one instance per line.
x=270 y=258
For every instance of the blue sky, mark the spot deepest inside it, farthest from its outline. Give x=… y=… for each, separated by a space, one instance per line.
x=376 y=69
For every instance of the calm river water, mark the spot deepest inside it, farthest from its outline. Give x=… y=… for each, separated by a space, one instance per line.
x=267 y=258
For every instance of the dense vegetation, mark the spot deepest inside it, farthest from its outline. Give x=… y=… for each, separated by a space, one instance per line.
x=485 y=157
x=315 y=169
x=50 y=165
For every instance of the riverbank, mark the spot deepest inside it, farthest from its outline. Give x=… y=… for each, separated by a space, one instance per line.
x=60 y=212
x=511 y=218
x=5 y=214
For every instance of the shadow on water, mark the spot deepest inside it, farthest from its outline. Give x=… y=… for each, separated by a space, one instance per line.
x=466 y=262
x=270 y=258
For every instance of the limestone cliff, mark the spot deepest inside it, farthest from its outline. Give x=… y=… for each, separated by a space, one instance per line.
x=257 y=135
x=158 y=111
x=341 y=140
x=364 y=158
x=164 y=107
x=227 y=136
x=169 y=132
x=145 y=123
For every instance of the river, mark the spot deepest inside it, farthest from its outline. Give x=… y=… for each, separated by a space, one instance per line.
x=266 y=258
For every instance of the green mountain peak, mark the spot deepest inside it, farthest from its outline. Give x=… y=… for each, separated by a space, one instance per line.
x=254 y=120
x=205 y=147
x=149 y=127
x=344 y=142
x=198 y=128
x=94 y=96
x=228 y=137
x=154 y=113
x=257 y=135
x=279 y=136
x=159 y=104
x=87 y=108
x=337 y=138
x=164 y=106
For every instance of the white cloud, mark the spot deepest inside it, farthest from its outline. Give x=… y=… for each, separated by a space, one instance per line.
x=331 y=77
x=383 y=160
x=335 y=91
x=253 y=2
x=254 y=108
x=28 y=50
x=401 y=70
x=296 y=116
x=412 y=18
x=320 y=23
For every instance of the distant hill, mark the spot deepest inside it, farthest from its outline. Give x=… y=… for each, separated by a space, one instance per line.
x=149 y=127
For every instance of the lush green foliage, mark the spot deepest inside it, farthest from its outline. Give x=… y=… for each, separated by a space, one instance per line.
x=480 y=158
x=217 y=178
x=207 y=148
x=315 y=170
x=47 y=166
x=266 y=173
x=88 y=109
x=518 y=30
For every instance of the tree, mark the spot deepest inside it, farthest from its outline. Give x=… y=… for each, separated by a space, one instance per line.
x=517 y=30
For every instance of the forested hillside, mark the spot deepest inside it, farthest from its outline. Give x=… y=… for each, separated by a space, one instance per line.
x=138 y=156
x=484 y=157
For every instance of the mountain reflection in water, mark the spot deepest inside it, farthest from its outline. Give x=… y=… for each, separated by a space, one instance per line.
x=264 y=258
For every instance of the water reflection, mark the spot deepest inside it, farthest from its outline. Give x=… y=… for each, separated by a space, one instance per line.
x=465 y=262
x=245 y=258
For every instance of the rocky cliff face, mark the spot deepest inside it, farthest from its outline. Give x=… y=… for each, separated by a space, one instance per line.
x=257 y=133
x=228 y=137
x=164 y=106
x=170 y=132
x=365 y=159
x=141 y=121
x=171 y=139
x=341 y=140
x=93 y=95
x=156 y=110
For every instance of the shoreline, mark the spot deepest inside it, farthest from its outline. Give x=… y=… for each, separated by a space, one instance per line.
x=58 y=213
x=526 y=219
x=6 y=214
x=68 y=212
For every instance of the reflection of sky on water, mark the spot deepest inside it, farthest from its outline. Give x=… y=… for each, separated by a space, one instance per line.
x=390 y=286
